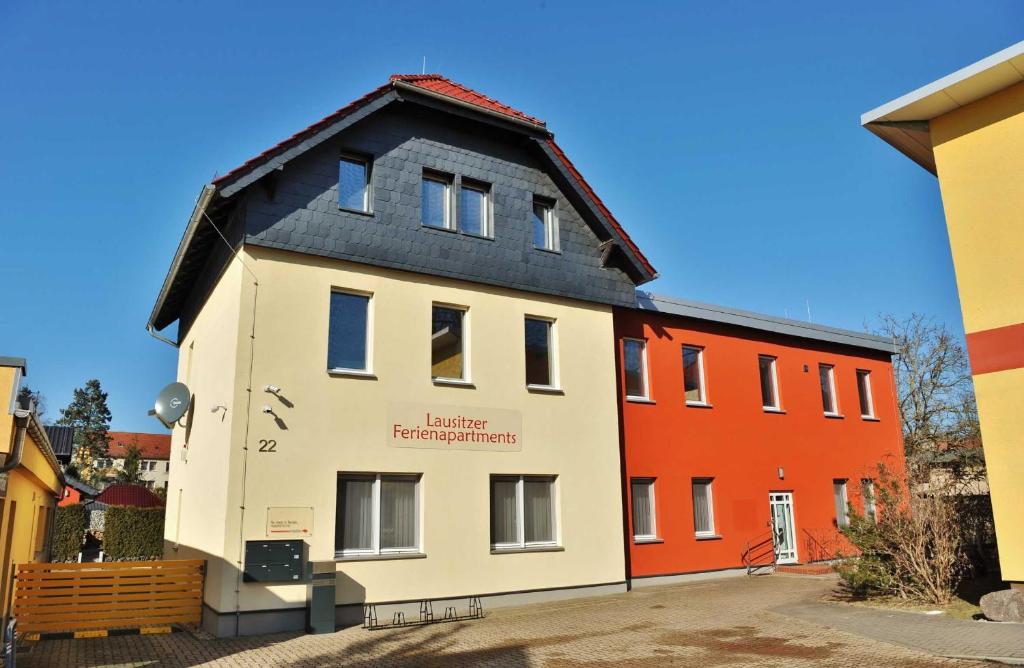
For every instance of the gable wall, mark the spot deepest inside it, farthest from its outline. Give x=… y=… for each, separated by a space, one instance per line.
x=404 y=139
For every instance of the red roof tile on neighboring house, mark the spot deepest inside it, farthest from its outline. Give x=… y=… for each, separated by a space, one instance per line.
x=152 y=446
x=129 y=495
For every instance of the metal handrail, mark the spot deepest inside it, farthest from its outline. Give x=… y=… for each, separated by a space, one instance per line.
x=761 y=542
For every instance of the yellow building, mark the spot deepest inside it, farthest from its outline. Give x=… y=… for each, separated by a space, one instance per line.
x=30 y=481
x=968 y=129
x=397 y=330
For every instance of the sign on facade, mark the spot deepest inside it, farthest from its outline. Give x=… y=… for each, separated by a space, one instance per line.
x=454 y=428
x=284 y=522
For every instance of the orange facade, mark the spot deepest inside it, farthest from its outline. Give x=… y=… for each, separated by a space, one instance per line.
x=738 y=449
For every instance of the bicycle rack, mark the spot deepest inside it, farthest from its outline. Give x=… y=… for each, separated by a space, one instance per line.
x=426 y=616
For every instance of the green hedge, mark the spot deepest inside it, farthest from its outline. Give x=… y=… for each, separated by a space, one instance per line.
x=131 y=534
x=69 y=525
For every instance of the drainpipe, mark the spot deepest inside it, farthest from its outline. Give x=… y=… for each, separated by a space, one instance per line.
x=21 y=417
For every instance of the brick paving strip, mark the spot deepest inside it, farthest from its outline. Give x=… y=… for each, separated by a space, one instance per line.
x=954 y=638
x=730 y=623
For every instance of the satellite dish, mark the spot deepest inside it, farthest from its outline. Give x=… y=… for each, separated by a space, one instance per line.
x=172 y=403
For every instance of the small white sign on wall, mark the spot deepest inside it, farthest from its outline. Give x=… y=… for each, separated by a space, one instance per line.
x=289 y=522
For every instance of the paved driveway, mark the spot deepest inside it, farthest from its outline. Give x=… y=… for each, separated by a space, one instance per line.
x=727 y=622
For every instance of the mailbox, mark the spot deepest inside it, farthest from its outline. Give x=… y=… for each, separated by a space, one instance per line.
x=275 y=561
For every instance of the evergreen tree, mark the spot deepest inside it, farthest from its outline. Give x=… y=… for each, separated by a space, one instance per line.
x=131 y=472
x=89 y=415
x=25 y=393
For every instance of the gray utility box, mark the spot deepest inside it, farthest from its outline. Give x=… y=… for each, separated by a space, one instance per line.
x=275 y=561
x=320 y=607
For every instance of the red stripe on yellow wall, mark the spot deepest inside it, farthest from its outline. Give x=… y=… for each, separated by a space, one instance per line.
x=996 y=349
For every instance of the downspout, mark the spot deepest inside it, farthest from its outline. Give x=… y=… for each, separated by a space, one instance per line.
x=21 y=417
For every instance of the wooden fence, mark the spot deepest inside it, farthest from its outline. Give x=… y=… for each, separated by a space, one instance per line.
x=93 y=596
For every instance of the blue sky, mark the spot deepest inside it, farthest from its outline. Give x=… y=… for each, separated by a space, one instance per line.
x=725 y=136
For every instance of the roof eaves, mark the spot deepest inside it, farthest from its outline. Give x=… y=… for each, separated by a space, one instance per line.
x=558 y=156
x=903 y=123
x=203 y=201
x=16 y=362
x=710 y=312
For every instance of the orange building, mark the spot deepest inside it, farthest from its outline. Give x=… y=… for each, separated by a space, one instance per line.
x=737 y=425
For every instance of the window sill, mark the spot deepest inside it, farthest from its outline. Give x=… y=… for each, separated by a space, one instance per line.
x=698 y=404
x=548 y=250
x=639 y=400
x=777 y=411
x=522 y=550
x=451 y=382
x=380 y=557
x=869 y=418
x=544 y=389
x=647 y=541
x=708 y=537
x=358 y=212
x=834 y=416
x=435 y=228
x=474 y=235
x=352 y=373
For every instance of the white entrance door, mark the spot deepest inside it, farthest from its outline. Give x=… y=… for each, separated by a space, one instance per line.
x=782 y=524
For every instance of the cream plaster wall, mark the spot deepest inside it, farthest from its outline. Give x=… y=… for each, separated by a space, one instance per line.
x=198 y=504
x=339 y=424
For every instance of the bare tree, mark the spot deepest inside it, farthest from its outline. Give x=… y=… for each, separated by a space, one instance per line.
x=936 y=395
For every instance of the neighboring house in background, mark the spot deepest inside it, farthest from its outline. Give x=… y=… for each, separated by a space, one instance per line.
x=154 y=451
x=63 y=441
x=136 y=496
x=77 y=491
x=30 y=480
x=968 y=129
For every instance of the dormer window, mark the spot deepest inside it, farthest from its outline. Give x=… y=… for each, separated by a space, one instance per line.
x=545 y=225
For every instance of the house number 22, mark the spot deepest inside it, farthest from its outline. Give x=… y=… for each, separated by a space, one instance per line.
x=268 y=445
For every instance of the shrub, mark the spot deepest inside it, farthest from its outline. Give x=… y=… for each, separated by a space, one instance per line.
x=69 y=526
x=132 y=534
x=914 y=551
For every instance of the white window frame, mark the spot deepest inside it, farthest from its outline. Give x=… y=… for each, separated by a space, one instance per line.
x=831 y=388
x=446 y=181
x=646 y=396
x=376 y=550
x=485 y=223
x=466 y=369
x=777 y=408
x=866 y=376
x=843 y=485
x=653 y=536
x=553 y=366
x=368 y=362
x=703 y=401
x=365 y=162
x=522 y=543
x=867 y=491
x=551 y=240
x=709 y=484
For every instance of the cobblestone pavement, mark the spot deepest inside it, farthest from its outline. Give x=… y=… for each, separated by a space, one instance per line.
x=936 y=634
x=727 y=622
